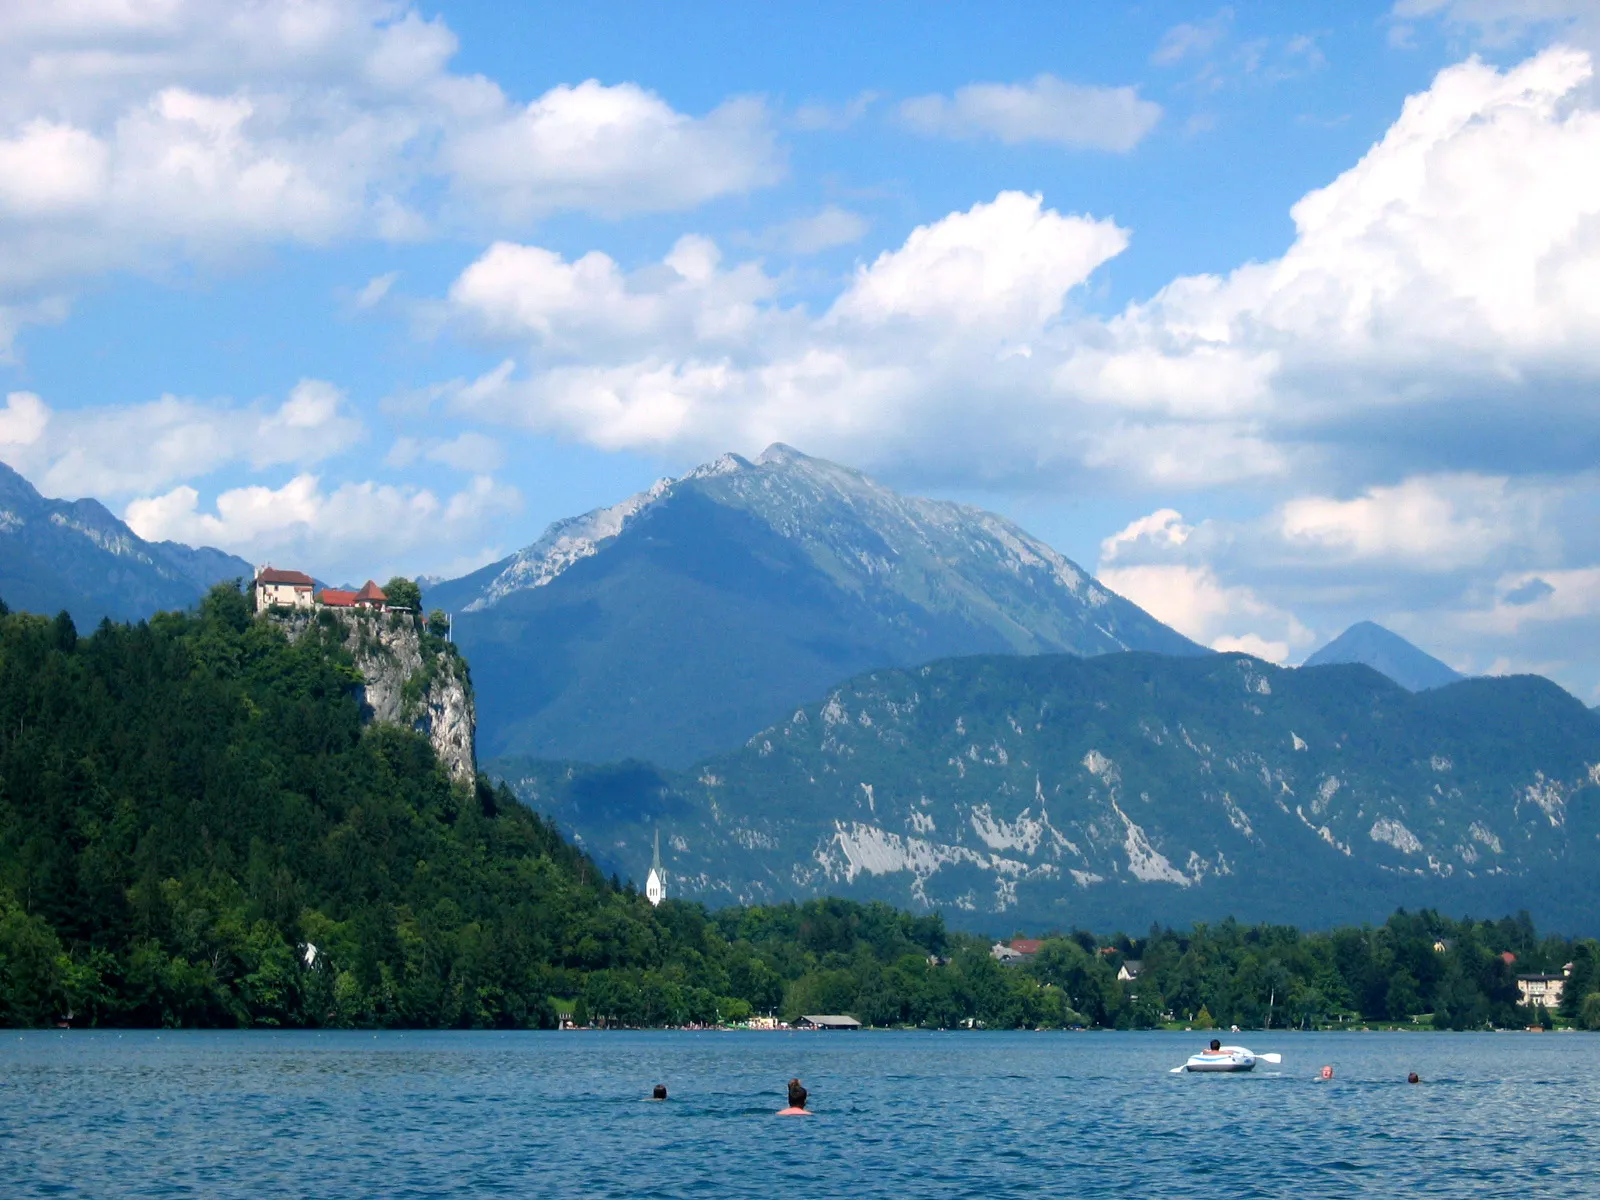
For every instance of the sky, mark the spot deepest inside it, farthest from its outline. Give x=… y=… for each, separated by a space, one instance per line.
x=1277 y=317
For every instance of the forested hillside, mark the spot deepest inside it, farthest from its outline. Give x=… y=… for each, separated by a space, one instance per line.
x=197 y=829
x=188 y=805
x=1125 y=789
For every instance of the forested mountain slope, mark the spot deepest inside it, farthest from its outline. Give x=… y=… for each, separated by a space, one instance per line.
x=1124 y=789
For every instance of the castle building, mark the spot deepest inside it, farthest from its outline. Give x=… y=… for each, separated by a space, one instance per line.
x=285 y=589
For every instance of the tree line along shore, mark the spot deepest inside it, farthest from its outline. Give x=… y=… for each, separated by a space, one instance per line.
x=198 y=830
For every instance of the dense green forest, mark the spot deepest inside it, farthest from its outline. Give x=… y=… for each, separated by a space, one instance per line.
x=196 y=829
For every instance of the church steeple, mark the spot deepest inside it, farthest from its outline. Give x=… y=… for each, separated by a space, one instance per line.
x=655 y=886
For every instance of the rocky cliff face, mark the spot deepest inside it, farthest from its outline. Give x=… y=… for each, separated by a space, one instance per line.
x=409 y=680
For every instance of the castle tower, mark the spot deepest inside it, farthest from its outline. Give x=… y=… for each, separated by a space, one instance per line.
x=655 y=885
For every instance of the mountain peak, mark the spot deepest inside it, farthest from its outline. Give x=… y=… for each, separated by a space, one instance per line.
x=1387 y=653
x=778 y=454
x=682 y=619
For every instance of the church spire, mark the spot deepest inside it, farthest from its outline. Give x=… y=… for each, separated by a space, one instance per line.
x=655 y=886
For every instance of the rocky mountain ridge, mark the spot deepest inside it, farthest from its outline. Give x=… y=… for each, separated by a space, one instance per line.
x=677 y=622
x=1125 y=789
x=75 y=555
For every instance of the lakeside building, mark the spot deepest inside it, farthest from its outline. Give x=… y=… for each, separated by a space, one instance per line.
x=821 y=1021
x=282 y=589
x=1542 y=989
x=1129 y=970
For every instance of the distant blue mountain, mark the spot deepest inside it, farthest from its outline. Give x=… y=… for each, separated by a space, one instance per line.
x=1388 y=653
x=75 y=555
x=680 y=621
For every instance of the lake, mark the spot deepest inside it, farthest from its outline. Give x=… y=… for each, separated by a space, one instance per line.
x=263 y=1114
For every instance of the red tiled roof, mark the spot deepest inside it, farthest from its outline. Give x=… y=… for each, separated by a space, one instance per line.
x=1026 y=945
x=337 y=598
x=371 y=592
x=273 y=575
x=1507 y=957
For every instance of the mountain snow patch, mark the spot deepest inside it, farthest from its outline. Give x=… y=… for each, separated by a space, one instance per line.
x=1099 y=765
x=1546 y=795
x=1145 y=862
x=1481 y=833
x=1326 y=790
x=1236 y=816
x=1393 y=833
x=1026 y=833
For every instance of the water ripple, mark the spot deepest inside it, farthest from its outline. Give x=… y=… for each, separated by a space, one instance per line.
x=439 y=1116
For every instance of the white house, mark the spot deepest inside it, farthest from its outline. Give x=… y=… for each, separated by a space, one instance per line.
x=1540 y=989
x=288 y=589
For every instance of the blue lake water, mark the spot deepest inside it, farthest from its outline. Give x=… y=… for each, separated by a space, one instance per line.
x=104 y=1114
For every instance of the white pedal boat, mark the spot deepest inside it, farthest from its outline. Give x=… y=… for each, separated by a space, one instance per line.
x=1229 y=1058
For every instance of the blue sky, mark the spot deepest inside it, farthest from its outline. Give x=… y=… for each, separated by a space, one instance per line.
x=1194 y=292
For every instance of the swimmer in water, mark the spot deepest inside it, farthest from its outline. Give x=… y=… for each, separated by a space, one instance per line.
x=1413 y=1078
x=1327 y=1072
x=797 y=1101
x=660 y=1092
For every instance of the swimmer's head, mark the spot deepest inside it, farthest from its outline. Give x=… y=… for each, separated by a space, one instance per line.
x=660 y=1093
x=1327 y=1072
x=1413 y=1078
x=797 y=1094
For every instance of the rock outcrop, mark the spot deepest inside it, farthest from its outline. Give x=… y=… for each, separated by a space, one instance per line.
x=409 y=679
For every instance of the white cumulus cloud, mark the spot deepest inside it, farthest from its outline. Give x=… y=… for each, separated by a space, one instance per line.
x=134 y=134
x=1437 y=313
x=113 y=451
x=355 y=529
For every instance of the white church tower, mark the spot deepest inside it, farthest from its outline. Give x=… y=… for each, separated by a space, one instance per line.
x=655 y=886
